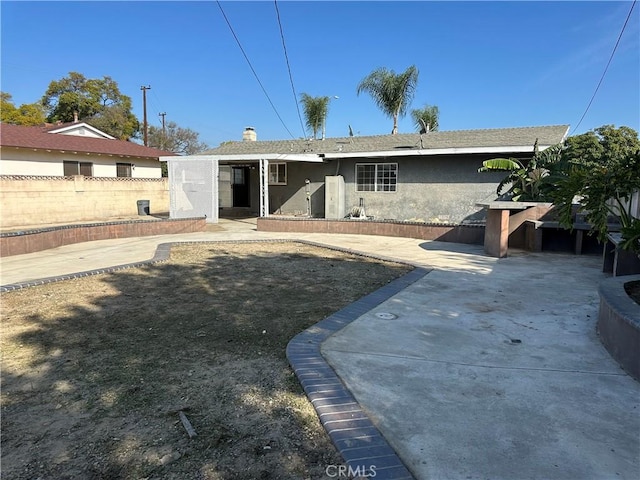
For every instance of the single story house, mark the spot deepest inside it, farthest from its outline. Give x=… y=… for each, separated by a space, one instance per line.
x=68 y=173
x=430 y=177
x=74 y=149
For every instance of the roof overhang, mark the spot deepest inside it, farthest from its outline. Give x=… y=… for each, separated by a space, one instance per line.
x=76 y=151
x=435 y=151
x=272 y=157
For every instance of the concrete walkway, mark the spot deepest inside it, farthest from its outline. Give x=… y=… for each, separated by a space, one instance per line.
x=481 y=369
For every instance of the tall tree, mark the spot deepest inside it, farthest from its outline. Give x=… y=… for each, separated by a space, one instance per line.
x=173 y=138
x=117 y=121
x=315 y=112
x=25 y=114
x=428 y=115
x=96 y=101
x=390 y=91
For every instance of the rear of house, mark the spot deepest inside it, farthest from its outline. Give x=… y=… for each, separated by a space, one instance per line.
x=431 y=177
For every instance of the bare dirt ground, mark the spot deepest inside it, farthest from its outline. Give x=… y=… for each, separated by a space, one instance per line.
x=95 y=370
x=633 y=290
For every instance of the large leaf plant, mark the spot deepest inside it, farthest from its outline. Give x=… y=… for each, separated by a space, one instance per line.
x=528 y=181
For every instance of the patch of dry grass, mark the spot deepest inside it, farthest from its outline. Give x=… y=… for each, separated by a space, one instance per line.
x=95 y=369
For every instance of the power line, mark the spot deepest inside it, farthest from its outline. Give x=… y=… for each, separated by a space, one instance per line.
x=156 y=105
x=607 y=67
x=286 y=56
x=252 y=69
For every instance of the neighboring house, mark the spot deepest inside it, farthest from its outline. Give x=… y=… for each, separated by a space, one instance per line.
x=431 y=177
x=74 y=149
x=74 y=172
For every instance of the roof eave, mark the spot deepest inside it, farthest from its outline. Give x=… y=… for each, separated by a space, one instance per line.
x=244 y=157
x=79 y=151
x=436 y=151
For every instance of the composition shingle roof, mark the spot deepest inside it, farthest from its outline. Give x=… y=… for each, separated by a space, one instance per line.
x=38 y=137
x=498 y=138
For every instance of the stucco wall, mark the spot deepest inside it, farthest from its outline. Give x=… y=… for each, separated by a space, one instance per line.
x=429 y=189
x=291 y=199
x=29 y=162
x=43 y=200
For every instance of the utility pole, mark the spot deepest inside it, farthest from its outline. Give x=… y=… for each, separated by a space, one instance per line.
x=164 y=131
x=144 y=106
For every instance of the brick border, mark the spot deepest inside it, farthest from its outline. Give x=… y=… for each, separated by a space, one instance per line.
x=161 y=255
x=357 y=439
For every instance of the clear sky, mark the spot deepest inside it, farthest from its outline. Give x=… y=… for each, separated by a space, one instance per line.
x=484 y=64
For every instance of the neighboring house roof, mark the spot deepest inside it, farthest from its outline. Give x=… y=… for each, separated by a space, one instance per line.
x=46 y=138
x=511 y=140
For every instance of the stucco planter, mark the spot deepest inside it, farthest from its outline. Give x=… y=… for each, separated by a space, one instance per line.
x=619 y=323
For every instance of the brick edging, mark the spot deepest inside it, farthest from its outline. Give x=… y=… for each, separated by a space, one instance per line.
x=358 y=440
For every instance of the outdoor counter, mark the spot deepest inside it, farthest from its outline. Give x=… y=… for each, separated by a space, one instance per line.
x=499 y=224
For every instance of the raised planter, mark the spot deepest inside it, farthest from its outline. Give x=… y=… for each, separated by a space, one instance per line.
x=38 y=239
x=471 y=234
x=619 y=323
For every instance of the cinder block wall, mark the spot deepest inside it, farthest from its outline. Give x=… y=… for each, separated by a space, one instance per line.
x=35 y=200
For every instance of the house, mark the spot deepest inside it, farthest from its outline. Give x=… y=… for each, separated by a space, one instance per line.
x=430 y=177
x=74 y=149
x=74 y=172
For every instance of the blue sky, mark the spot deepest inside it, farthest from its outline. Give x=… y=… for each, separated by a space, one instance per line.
x=484 y=64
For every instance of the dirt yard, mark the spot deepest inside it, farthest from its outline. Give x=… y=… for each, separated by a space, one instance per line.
x=95 y=370
x=633 y=290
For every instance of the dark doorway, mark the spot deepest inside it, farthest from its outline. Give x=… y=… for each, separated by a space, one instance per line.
x=240 y=186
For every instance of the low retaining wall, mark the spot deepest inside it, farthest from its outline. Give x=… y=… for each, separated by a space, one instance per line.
x=473 y=234
x=29 y=241
x=619 y=323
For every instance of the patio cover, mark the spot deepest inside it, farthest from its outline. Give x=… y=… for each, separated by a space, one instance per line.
x=193 y=181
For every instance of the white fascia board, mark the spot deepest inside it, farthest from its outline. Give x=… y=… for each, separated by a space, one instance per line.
x=187 y=157
x=272 y=157
x=75 y=126
x=436 y=151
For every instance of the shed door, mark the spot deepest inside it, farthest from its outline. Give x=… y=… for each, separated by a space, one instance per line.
x=240 y=186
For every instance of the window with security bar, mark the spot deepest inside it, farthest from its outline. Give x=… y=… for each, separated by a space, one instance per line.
x=123 y=169
x=376 y=177
x=72 y=168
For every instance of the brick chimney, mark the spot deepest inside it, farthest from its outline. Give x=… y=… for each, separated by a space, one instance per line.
x=75 y=117
x=249 y=135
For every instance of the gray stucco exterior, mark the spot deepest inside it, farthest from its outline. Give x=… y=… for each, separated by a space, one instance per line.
x=434 y=189
x=437 y=173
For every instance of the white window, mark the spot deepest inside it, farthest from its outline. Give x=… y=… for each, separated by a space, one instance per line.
x=277 y=173
x=376 y=177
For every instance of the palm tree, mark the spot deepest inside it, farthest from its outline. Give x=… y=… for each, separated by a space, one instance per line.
x=427 y=116
x=390 y=91
x=315 y=112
